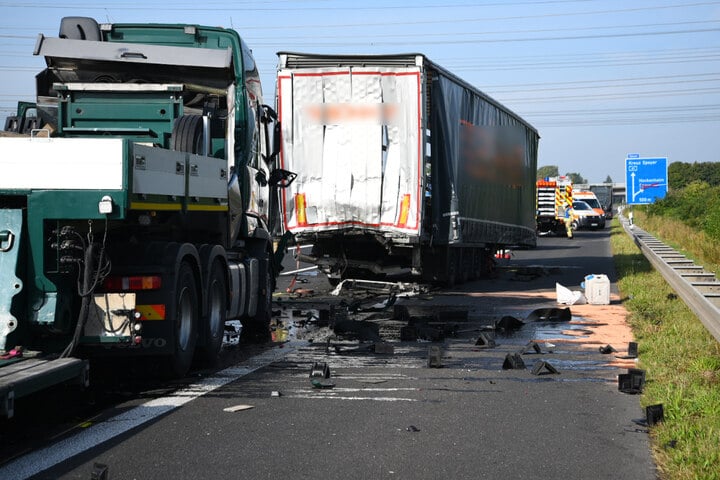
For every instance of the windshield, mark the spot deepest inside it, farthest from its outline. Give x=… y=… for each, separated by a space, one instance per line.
x=592 y=202
x=581 y=206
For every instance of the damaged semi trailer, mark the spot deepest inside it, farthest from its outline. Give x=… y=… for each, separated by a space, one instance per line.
x=402 y=167
x=134 y=223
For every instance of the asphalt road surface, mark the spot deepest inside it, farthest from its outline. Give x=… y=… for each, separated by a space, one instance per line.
x=388 y=415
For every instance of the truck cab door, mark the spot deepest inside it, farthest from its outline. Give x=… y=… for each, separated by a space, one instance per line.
x=260 y=167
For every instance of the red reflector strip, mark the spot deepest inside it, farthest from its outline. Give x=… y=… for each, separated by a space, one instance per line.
x=146 y=282
x=151 y=312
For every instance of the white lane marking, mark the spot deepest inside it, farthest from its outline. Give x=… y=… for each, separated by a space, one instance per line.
x=332 y=397
x=40 y=460
x=359 y=390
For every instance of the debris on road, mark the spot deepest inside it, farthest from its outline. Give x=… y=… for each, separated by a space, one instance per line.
x=377 y=287
x=508 y=323
x=238 y=408
x=412 y=428
x=100 y=472
x=542 y=367
x=550 y=315
x=434 y=357
x=632 y=382
x=320 y=370
x=607 y=349
x=565 y=296
x=513 y=361
x=317 y=384
x=484 y=341
x=360 y=329
x=531 y=346
x=632 y=351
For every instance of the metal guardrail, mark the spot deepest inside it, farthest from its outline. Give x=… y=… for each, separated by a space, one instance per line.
x=698 y=288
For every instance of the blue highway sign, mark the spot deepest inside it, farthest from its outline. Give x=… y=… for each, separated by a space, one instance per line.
x=646 y=179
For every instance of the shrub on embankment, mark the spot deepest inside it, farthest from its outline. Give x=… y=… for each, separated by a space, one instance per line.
x=689 y=219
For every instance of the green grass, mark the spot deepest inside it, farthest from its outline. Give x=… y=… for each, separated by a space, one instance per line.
x=682 y=363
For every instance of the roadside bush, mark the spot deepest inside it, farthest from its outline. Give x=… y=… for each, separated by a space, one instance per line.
x=697 y=205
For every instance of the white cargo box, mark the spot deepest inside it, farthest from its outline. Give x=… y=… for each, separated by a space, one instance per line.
x=597 y=289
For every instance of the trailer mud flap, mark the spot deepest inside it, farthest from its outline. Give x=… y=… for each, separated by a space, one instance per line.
x=10 y=285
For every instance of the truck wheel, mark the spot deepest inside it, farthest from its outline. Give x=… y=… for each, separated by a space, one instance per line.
x=184 y=316
x=214 y=323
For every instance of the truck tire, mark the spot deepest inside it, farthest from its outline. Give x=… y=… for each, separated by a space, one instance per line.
x=187 y=134
x=185 y=308
x=213 y=324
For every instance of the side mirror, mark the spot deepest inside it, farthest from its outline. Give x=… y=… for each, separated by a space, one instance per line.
x=261 y=178
x=282 y=178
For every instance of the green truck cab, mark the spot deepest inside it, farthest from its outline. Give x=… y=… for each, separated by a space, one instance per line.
x=136 y=219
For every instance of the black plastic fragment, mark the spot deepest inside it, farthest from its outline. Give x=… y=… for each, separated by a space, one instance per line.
x=434 y=357
x=484 y=341
x=654 y=414
x=632 y=351
x=320 y=370
x=513 y=361
x=542 y=367
x=430 y=333
x=607 y=349
x=550 y=315
x=632 y=382
x=509 y=323
x=99 y=472
x=322 y=385
x=531 y=346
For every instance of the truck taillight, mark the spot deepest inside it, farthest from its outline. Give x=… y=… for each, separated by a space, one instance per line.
x=300 y=209
x=404 y=210
x=137 y=282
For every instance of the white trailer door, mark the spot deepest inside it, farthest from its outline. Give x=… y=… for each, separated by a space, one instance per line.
x=353 y=137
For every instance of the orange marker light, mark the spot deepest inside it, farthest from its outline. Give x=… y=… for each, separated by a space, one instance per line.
x=404 y=210
x=300 y=209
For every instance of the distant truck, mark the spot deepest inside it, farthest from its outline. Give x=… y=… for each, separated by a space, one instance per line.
x=552 y=196
x=402 y=167
x=134 y=213
x=604 y=194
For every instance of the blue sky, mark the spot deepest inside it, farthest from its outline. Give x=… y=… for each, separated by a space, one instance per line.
x=598 y=78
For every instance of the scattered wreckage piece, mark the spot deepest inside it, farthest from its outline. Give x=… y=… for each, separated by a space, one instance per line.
x=509 y=323
x=632 y=382
x=632 y=352
x=513 y=361
x=542 y=367
x=484 y=341
x=550 y=315
x=320 y=370
x=378 y=287
x=434 y=357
